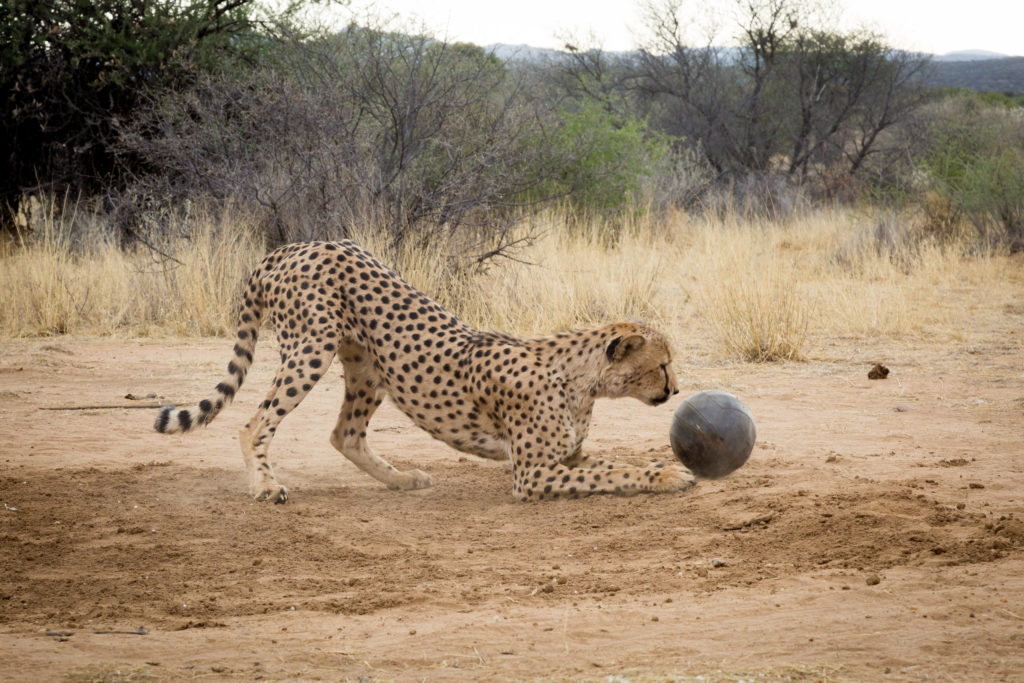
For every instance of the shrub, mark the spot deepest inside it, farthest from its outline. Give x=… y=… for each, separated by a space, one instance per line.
x=72 y=72
x=752 y=300
x=416 y=137
x=992 y=192
x=604 y=161
x=975 y=165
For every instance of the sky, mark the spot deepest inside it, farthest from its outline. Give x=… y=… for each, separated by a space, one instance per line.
x=935 y=26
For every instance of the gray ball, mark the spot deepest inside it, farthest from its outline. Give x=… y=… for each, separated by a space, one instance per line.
x=712 y=433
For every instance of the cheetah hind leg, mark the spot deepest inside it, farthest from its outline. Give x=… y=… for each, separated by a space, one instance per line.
x=363 y=395
x=298 y=373
x=263 y=485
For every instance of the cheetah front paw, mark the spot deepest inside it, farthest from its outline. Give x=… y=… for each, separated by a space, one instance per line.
x=411 y=481
x=274 y=493
x=670 y=480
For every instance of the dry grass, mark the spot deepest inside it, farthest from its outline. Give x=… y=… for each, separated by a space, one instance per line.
x=760 y=291
x=57 y=285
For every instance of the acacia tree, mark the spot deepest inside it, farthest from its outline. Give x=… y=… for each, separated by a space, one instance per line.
x=849 y=89
x=684 y=87
x=768 y=27
x=793 y=98
x=587 y=72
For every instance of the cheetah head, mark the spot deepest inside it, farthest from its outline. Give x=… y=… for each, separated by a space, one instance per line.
x=640 y=366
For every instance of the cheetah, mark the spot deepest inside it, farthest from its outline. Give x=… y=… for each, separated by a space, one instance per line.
x=527 y=400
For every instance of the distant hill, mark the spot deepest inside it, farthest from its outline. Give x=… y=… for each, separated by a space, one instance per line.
x=521 y=53
x=978 y=70
x=968 y=56
x=1005 y=75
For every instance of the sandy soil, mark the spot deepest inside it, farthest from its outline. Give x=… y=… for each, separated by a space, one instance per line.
x=877 y=532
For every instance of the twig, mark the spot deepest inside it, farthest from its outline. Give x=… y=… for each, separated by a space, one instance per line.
x=135 y=235
x=140 y=631
x=110 y=407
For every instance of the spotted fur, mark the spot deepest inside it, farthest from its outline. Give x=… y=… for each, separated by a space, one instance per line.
x=489 y=394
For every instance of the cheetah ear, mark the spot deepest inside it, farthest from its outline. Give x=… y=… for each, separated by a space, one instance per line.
x=620 y=347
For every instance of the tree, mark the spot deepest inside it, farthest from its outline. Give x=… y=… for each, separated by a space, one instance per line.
x=793 y=98
x=367 y=127
x=72 y=71
x=602 y=159
x=590 y=73
x=686 y=87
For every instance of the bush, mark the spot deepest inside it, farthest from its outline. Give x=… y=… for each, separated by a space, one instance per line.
x=72 y=72
x=796 y=97
x=604 y=162
x=992 y=192
x=974 y=162
x=414 y=136
x=771 y=196
x=759 y=318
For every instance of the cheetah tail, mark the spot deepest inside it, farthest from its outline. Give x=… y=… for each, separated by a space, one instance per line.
x=172 y=419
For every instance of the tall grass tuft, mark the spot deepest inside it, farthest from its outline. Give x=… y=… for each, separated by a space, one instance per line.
x=203 y=289
x=756 y=307
x=47 y=290
x=748 y=288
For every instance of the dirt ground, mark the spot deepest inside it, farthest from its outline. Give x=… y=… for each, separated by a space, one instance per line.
x=877 y=532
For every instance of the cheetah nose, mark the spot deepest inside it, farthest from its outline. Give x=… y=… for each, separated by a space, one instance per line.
x=675 y=391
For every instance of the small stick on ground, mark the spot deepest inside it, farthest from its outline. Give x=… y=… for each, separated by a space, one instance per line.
x=147 y=406
x=140 y=631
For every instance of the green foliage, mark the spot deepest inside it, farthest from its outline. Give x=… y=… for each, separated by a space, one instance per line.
x=953 y=149
x=603 y=160
x=979 y=98
x=992 y=187
x=975 y=161
x=1002 y=99
x=71 y=71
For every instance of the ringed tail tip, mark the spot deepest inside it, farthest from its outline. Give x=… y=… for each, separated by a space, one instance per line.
x=163 y=420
